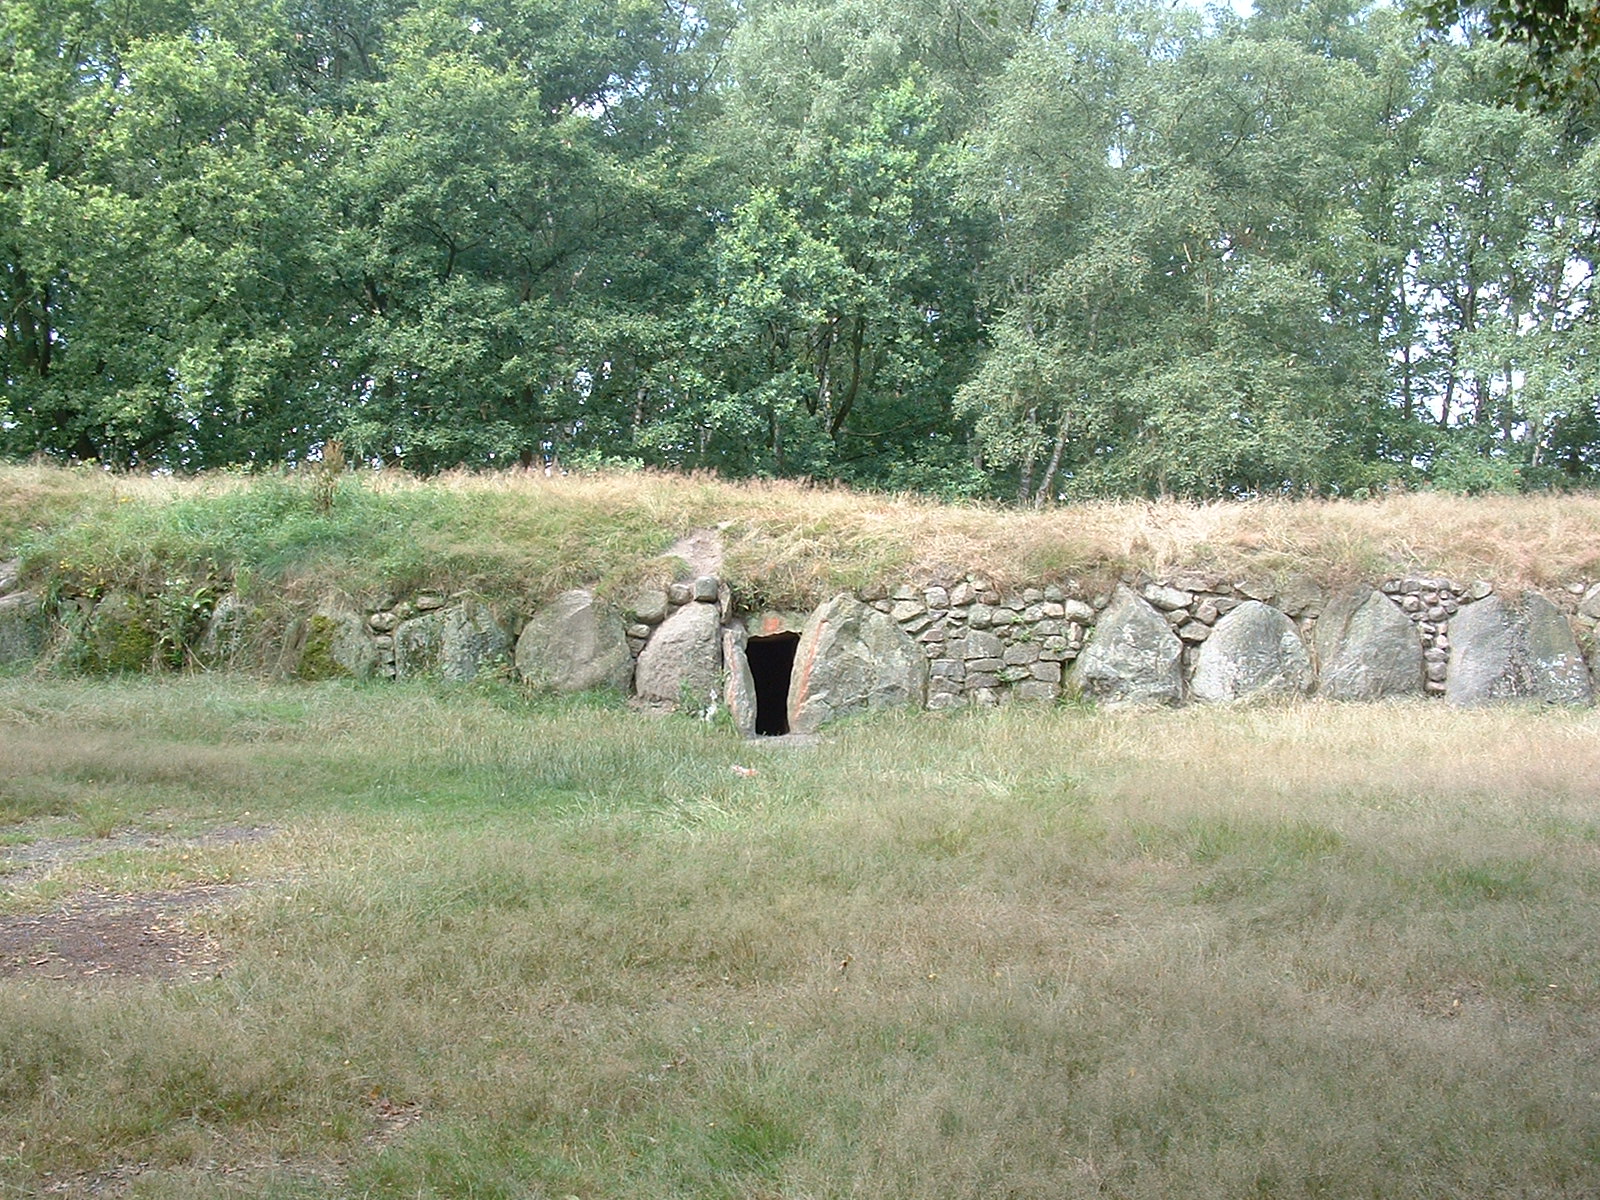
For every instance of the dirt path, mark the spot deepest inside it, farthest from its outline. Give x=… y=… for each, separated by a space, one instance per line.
x=702 y=550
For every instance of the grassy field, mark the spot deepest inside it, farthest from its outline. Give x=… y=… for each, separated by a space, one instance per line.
x=464 y=944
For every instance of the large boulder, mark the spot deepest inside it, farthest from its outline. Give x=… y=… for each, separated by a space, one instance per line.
x=1514 y=651
x=1254 y=652
x=1367 y=648
x=682 y=661
x=853 y=658
x=22 y=629
x=453 y=643
x=337 y=645
x=573 y=644
x=1132 y=658
x=226 y=632
x=120 y=635
x=473 y=641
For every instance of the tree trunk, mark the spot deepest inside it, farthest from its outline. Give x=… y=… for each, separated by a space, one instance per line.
x=1047 y=484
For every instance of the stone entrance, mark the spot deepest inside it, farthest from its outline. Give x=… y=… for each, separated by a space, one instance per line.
x=771 y=662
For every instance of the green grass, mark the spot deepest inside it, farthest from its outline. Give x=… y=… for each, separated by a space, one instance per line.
x=1307 y=951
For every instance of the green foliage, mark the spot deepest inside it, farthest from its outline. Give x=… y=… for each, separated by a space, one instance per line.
x=1561 y=39
x=1471 y=472
x=980 y=250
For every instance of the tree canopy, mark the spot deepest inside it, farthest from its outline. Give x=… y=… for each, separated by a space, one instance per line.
x=1006 y=250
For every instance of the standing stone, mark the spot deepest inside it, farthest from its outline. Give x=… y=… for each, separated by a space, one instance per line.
x=1505 y=651
x=471 y=641
x=417 y=643
x=224 y=640
x=739 y=687
x=120 y=635
x=574 y=643
x=853 y=658
x=1133 y=658
x=337 y=645
x=683 y=659
x=1367 y=648
x=1252 y=652
x=22 y=629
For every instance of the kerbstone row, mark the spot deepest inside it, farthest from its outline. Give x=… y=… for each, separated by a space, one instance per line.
x=940 y=643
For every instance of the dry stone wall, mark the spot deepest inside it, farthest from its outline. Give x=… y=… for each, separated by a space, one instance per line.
x=943 y=642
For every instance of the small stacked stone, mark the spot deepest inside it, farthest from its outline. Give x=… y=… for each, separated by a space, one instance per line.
x=383 y=620
x=1430 y=603
x=1584 y=596
x=651 y=605
x=1193 y=604
x=386 y=615
x=984 y=645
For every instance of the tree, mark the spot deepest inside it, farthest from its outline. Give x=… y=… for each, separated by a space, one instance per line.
x=1560 y=40
x=841 y=318
x=1505 y=231
x=1163 y=322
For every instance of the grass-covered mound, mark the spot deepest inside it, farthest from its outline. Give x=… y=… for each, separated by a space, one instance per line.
x=522 y=534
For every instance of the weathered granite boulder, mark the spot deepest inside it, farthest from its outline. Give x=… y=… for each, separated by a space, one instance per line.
x=1253 y=652
x=1367 y=648
x=739 y=687
x=1514 y=651
x=337 y=645
x=22 y=629
x=574 y=643
x=853 y=658
x=1132 y=658
x=223 y=641
x=119 y=635
x=454 y=643
x=417 y=642
x=682 y=661
x=473 y=641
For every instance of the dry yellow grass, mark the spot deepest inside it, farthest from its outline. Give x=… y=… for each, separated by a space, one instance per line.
x=792 y=542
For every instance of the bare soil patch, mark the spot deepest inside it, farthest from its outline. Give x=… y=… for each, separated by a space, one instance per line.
x=101 y=934
x=701 y=550
x=107 y=935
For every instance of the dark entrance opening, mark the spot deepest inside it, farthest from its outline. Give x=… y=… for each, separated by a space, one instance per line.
x=771 y=664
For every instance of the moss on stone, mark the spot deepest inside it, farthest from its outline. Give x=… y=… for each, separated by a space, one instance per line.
x=122 y=637
x=317 y=660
